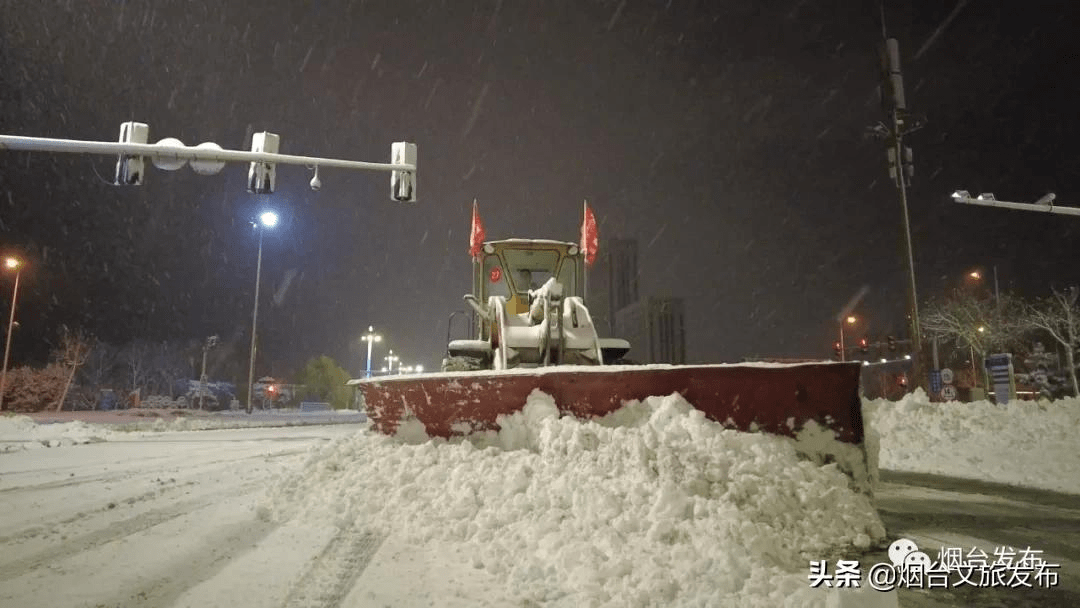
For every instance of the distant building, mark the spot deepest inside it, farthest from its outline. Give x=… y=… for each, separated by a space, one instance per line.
x=655 y=328
x=612 y=282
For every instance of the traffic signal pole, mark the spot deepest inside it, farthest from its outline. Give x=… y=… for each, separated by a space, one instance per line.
x=901 y=169
x=209 y=158
x=186 y=153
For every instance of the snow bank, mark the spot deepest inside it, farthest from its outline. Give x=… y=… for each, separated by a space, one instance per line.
x=1024 y=443
x=651 y=505
x=21 y=432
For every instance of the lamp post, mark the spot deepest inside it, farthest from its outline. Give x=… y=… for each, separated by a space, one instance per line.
x=10 y=263
x=390 y=359
x=370 y=337
x=211 y=342
x=268 y=219
x=850 y=320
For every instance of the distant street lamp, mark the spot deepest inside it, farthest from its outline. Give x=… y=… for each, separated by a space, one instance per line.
x=268 y=219
x=16 y=264
x=850 y=320
x=370 y=337
x=390 y=359
x=975 y=274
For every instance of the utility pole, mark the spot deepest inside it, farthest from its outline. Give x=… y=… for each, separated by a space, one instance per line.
x=211 y=342
x=899 y=123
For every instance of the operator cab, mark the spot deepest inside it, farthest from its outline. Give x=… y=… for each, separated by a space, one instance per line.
x=513 y=267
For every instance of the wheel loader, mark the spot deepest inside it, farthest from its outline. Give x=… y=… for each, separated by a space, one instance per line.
x=532 y=330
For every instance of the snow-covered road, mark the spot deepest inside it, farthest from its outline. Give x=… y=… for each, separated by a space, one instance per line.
x=151 y=520
x=936 y=511
x=184 y=519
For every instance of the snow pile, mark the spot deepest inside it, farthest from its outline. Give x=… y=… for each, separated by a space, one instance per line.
x=21 y=432
x=651 y=505
x=1025 y=443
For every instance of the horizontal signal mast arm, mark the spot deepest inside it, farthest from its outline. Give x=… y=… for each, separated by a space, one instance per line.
x=188 y=153
x=1021 y=206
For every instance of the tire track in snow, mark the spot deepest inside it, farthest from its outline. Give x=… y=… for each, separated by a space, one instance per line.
x=331 y=574
x=187 y=570
x=186 y=470
x=158 y=493
x=117 y=531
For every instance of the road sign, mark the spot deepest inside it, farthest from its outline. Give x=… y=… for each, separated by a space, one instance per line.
x=999 y=368
x=947 y=376
x=935 y=381
x=948 y=393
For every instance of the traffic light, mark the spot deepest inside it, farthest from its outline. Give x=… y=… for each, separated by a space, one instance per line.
x=263 y=176
x=838 y=350
x=403 y=183
x=864 y=344
x=129 y=169
x=892 y=343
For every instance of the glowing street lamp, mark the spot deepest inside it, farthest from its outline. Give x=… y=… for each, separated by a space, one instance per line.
x=11 y=263
x=370 y=337
x=268 y=219
x=390 y=359
x=850 y=320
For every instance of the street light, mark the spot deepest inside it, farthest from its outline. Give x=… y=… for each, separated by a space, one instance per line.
x=390 y=359
x=16 y=264
x=850 y=320
x=370 y=337
x=987 y=199
x=268 y=219
x=978 y=276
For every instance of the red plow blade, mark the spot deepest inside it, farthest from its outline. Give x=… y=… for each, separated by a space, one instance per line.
x=774 y=398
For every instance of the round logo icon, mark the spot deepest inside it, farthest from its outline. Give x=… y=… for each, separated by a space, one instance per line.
x=948 y=392
x=900 y=549
x=495 y=274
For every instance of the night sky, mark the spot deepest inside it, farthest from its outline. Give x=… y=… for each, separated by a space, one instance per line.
x=728 y=137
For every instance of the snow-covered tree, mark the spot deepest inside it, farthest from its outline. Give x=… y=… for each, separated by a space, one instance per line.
x=74 y=348
x=169 y=366
x=980 y=324
x=1059 y=316
x=100 y=366
x=136 y=359
x=33 y=390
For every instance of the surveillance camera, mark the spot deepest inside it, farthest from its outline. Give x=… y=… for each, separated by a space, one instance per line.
x=1047 y=199
x=316 y=183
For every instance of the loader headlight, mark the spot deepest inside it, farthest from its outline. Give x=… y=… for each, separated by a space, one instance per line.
x=489 y=248
x=573 y=250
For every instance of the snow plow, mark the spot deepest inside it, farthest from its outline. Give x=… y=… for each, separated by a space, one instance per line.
x=532 y=331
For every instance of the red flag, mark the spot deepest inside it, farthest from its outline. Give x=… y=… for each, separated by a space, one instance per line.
x=476 y=236
x=590 y=239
